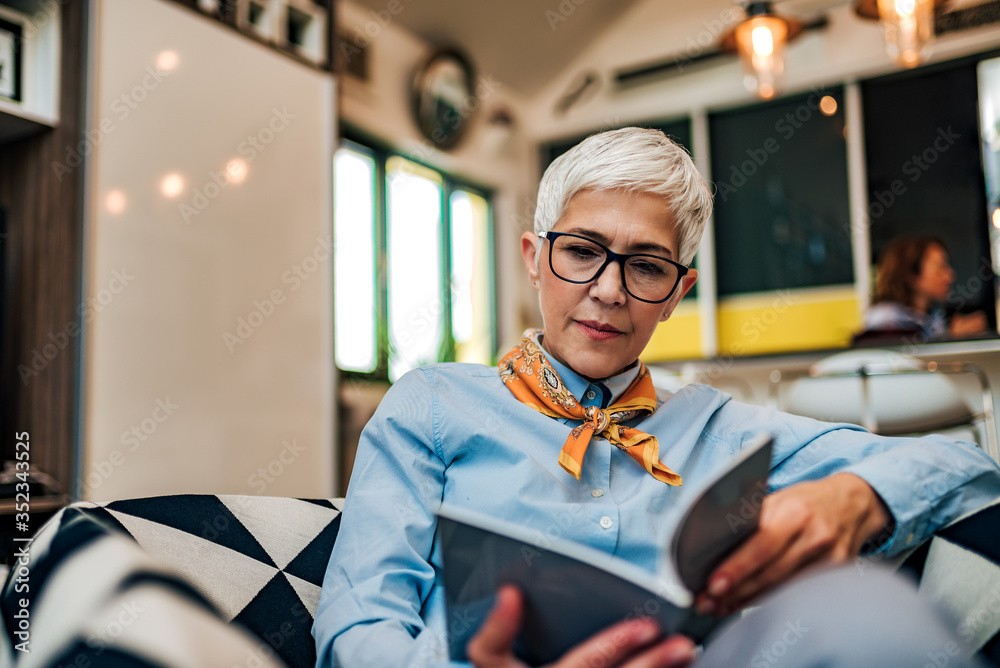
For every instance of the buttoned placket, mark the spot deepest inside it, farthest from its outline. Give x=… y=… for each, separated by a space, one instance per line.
x=603 y=509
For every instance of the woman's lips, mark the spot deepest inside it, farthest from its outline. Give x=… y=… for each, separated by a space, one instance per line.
x=598 y=331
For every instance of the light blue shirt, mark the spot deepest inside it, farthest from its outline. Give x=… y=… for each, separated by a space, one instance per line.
x=455 y=433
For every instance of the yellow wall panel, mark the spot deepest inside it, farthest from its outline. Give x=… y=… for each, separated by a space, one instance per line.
x=677 y=338
x=786 y=320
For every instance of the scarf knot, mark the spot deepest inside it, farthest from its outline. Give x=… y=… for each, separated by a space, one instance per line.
x=528 y=374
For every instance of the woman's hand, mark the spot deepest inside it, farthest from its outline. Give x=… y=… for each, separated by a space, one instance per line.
x=967 y=324
x=822 y=522
x=624 y=645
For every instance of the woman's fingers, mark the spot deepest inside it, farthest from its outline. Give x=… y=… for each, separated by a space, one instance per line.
x=491 y=647
x=624 y=645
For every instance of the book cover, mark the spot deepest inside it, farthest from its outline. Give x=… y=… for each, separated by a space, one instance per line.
x=572 y=591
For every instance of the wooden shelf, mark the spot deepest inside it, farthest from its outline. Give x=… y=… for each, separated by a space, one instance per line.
x=38 y=107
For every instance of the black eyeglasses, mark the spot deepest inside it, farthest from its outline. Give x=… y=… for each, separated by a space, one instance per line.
x=577 y=259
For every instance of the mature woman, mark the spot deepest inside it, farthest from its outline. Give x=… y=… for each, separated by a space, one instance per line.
x=538 y=442
x=914 y=281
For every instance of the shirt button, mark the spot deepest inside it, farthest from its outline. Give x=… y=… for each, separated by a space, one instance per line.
x=590 y=394
x=597 y=494
x=606 y=522
x=909 y=539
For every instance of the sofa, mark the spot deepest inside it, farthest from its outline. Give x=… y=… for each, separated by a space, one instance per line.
x=234 y=581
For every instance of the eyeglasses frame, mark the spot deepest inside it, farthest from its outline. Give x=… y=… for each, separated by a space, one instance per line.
x=611 y=256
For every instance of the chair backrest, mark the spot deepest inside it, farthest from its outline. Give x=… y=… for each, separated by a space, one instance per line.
x=889 y=393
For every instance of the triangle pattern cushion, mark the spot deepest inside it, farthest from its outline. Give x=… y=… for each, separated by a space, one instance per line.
x=310 y=564
x=102 y=600
x=228 y=578
x=261 y=560
x=202 y=515
x=280 y=525
x=307 y=591
x=278 y=616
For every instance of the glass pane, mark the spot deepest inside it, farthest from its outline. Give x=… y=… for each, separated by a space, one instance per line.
x=781 y=207
x=413 y=253
x=989 y=121
x=471 y=299
x=925 y=172
x=354 y=260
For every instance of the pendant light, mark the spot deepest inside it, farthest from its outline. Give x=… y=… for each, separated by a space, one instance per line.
x=760 y=41
x=907 y=25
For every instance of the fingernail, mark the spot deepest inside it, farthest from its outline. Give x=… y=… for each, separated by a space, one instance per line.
x=678 y=654
x=718 y=586
x=647 y=632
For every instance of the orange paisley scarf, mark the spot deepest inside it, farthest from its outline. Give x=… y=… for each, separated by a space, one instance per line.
x=528 y=374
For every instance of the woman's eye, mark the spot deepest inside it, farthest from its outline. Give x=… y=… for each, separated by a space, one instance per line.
x=583 y=251
x=648 y=268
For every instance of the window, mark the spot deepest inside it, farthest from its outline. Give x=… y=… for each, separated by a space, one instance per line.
x=781 y=207
x=413 y=265
x=925 y=171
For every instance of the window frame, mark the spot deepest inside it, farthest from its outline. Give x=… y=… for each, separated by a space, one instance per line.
x=380 y=152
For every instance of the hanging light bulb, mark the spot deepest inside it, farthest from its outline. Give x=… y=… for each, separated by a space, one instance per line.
x=760 y=41
x=907 y=26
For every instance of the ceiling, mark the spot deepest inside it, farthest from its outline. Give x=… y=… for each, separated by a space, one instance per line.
x=521 y=43
x=524 y=44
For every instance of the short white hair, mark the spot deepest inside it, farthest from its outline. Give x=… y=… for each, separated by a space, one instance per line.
x=636 y=160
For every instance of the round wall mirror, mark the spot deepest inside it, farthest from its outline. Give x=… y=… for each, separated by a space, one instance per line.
x=444 y=97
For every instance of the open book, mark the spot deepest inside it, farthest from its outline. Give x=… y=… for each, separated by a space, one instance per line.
x=572 y=591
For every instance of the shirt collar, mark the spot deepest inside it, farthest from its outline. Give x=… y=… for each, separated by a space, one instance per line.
x=612 y=387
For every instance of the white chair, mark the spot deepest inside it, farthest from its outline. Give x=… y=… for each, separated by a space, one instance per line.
x=892 y=394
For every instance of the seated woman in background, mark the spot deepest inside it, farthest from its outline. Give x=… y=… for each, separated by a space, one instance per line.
x=914 y=280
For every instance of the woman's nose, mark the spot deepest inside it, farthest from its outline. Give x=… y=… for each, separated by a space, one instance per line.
x=608 y=286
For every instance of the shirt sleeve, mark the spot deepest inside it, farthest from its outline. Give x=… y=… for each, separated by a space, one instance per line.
x=925 y=482
x=378 y=586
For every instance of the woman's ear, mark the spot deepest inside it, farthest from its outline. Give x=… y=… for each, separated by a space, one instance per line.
x=529 y=251
x=686 y=284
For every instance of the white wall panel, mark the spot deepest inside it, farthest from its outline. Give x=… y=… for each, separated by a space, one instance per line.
x=244 y=399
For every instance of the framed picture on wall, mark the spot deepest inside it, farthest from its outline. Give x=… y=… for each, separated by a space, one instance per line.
x=11 y=35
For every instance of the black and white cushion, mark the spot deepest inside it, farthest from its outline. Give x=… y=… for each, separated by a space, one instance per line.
x=89 y=596
x=959 y=571
x=259 y=560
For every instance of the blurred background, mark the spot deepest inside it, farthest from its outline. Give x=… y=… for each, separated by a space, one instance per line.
x=228 y=225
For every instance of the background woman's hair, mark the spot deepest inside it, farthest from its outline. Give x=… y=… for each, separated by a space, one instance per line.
x=633 y=160
x=900 y=266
